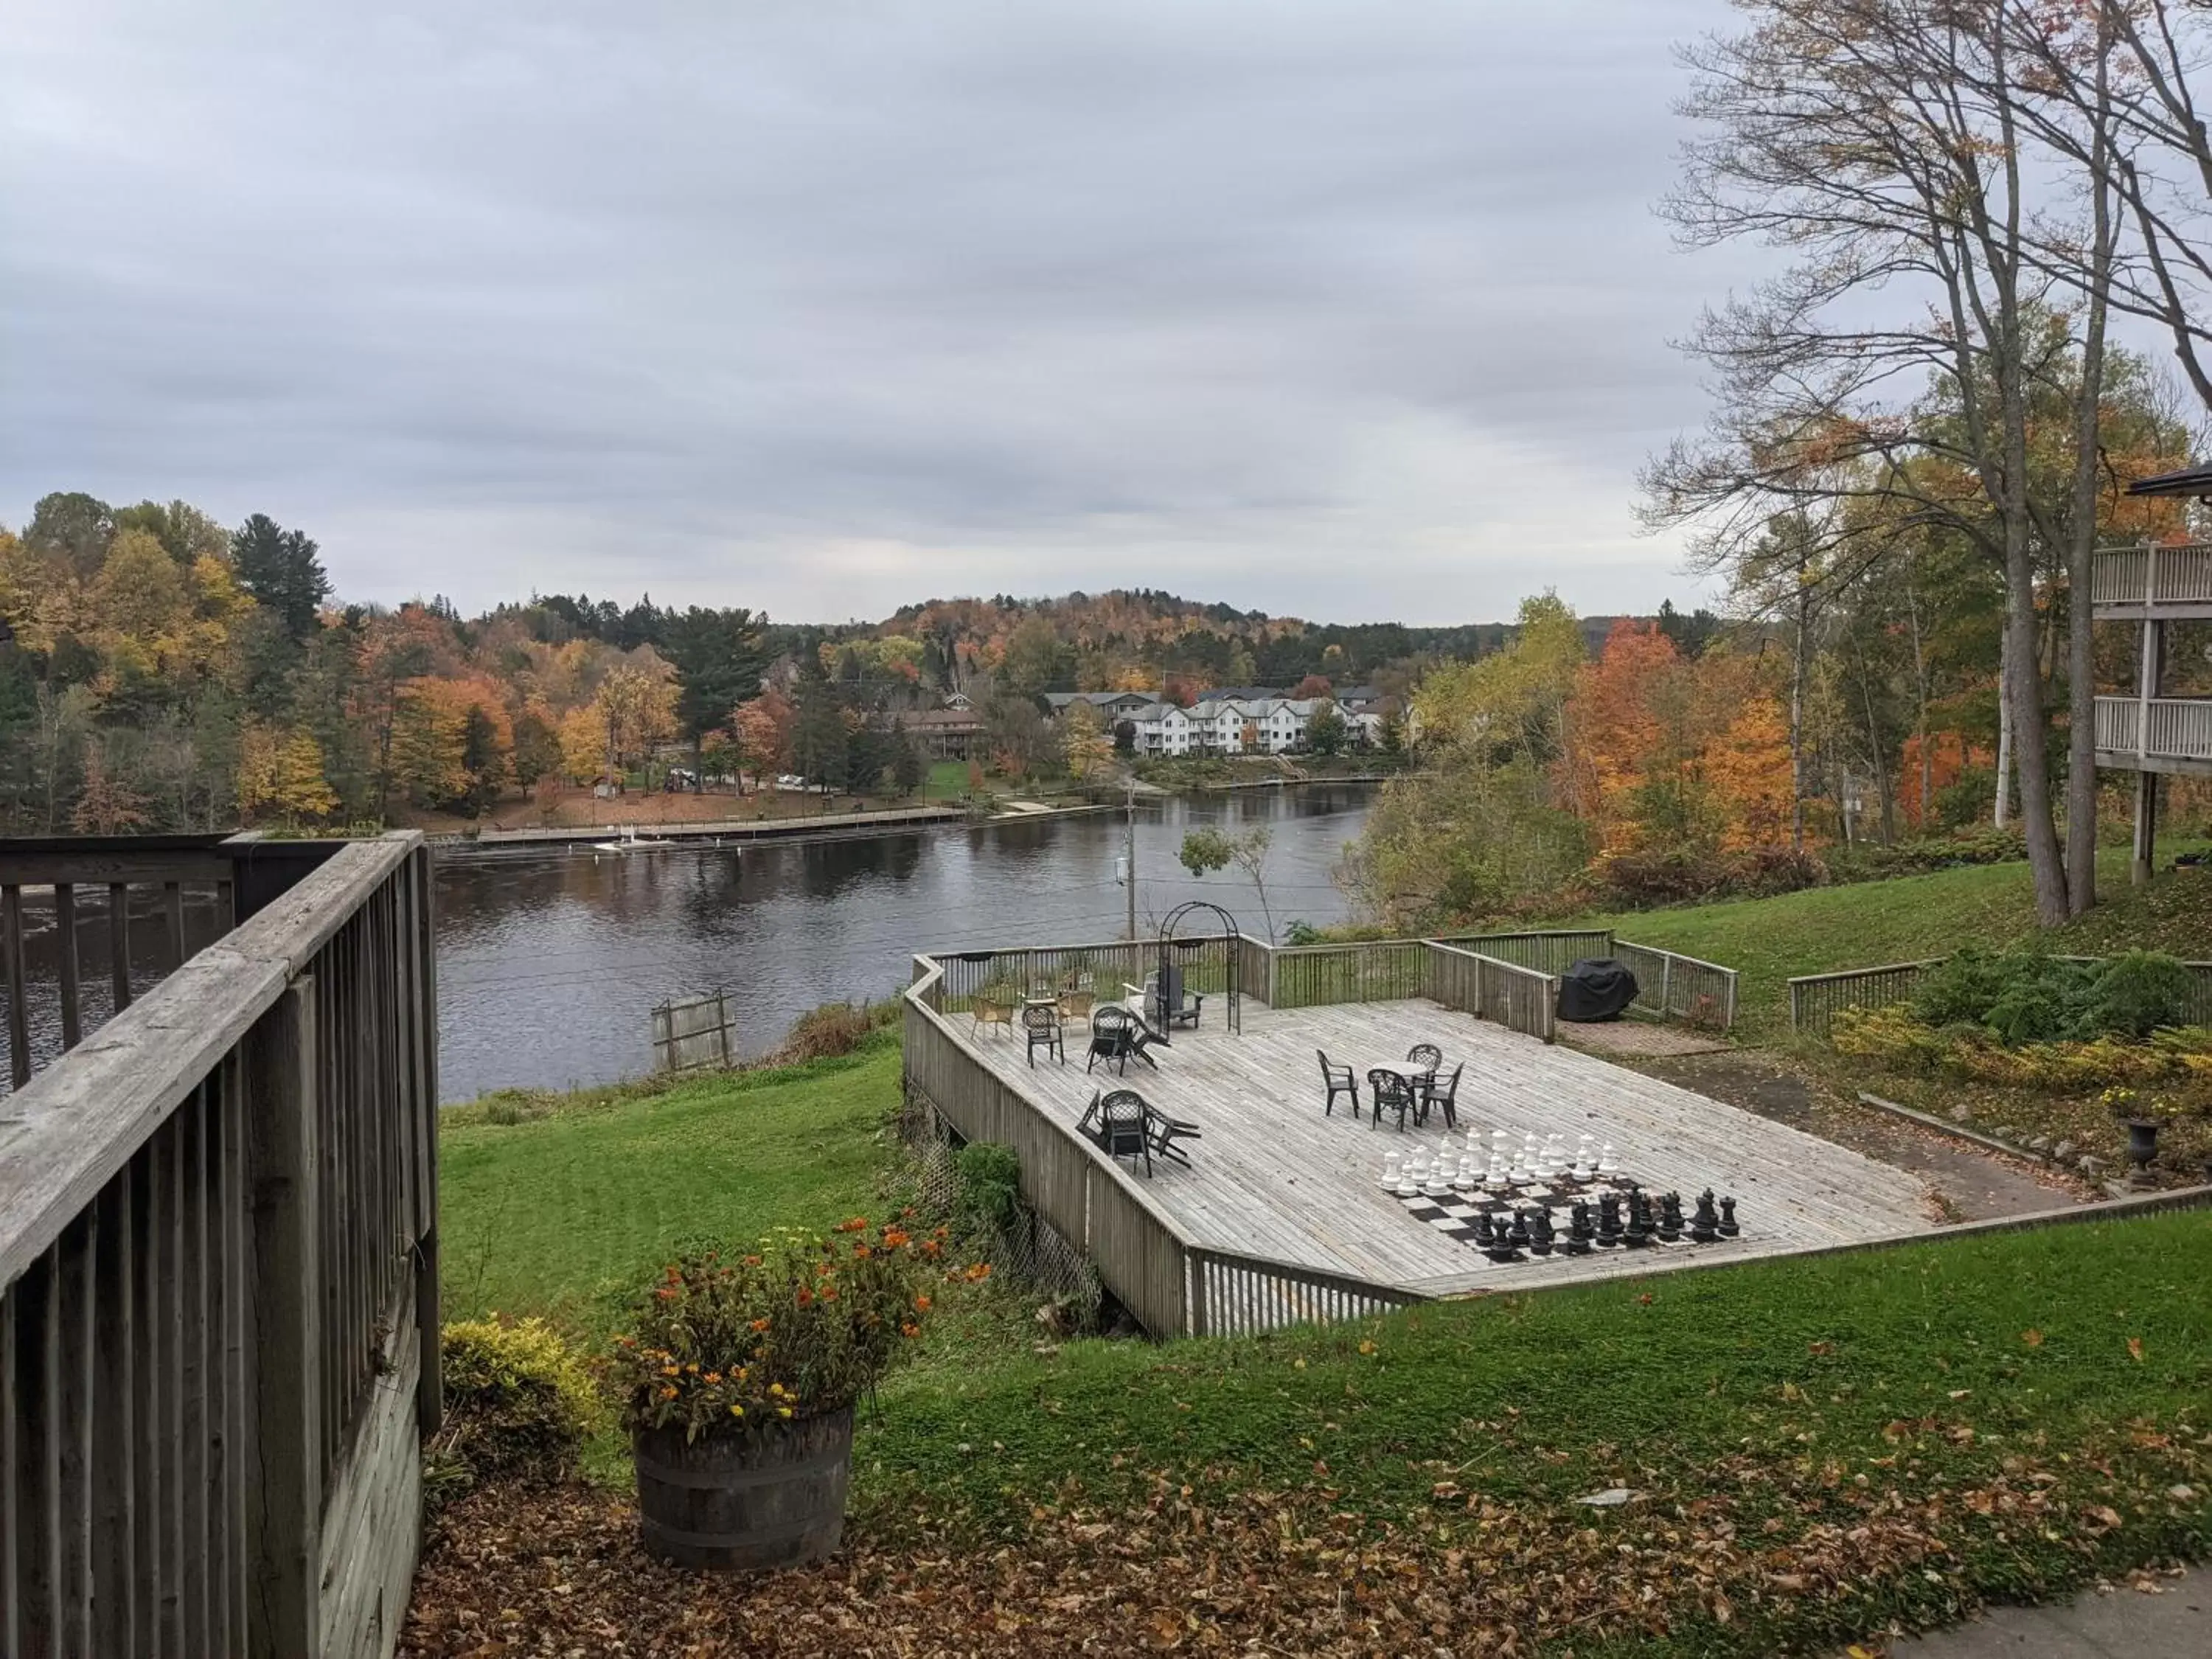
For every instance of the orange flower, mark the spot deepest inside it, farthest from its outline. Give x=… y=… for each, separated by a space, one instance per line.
x=805 y=1296
x=861 y=1252
x=909 y=1328
x=921 y=1303
x=858 y=1224
x=980 y=1271
x=760 y=1324
x=895 y=1237
x=829 y=1292
x=713 y=1377
x=668 y=1370
x=752 y=1262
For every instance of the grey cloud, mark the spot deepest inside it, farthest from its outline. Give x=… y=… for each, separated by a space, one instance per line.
x=1353 y=309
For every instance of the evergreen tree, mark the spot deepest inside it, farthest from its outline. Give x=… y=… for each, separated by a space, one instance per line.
x=281 y=569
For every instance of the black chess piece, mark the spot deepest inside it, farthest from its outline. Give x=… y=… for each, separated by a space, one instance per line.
x=1541 y=1237
x=1729 y=1229
x=1638 y=1233
x=1705 y=1224
x=1519 y=1236
x=1608 y=1222
x=1579 y=1231
x=1483 y=1237
x=1670 y=1219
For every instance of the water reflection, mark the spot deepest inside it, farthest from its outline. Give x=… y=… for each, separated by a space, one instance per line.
x=549 y=966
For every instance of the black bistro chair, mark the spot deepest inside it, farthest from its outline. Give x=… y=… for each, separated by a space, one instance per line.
x=1164 y=1131
x=1425 y=1054
x=1119 y=1121
x=1340 y=1080
x=1444 y=1095
x=1391 y=1092
x=1040 y=1024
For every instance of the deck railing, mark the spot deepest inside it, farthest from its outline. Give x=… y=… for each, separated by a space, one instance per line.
x=1234 y=1294
x=218 y=1282
x=1551 y=953
x=1381 y=970
x=1679 y=987
x=2153 y=575
x=1816 y=999
x=2163 y=728
x=1520 y=998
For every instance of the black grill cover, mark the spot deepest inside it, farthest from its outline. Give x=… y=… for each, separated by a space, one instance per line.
x=1596 y=990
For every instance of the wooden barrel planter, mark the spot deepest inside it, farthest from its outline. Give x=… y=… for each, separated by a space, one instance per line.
x=745 y=1503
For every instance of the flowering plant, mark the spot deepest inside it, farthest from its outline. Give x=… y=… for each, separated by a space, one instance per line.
x=800 y=1326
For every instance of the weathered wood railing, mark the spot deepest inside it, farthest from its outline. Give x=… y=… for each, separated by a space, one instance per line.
x=1816 y=999
x=1546 y=952
x=1520 y=998
x=128 y=908
x=1675 y=987
x=1235 y=1295
x=1381 y=970
x=218 y=1271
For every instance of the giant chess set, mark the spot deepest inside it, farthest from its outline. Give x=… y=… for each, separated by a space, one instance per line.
x=1501 y=1202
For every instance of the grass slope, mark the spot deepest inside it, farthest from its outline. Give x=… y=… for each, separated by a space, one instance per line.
x=1824 y=929
x=568 y=1212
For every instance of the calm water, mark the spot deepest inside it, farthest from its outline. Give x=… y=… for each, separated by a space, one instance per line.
x=548 y=967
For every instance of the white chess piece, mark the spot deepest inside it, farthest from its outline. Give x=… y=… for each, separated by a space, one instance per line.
x=1608 y=1163
x=1583 y=1154
x=1553 y=1158
x=1463 y=1178
x=1407 y=1187
x=1390 y=1162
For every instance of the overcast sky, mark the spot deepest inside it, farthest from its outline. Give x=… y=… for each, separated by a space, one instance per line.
x=1352 y=311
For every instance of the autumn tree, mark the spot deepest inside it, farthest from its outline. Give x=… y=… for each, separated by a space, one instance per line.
x=280 y=776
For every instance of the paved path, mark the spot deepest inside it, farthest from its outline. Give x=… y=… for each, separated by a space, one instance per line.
x=2124 y=1624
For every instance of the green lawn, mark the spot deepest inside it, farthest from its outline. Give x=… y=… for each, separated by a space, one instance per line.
x=566 y=1214
x=1824 y=929
x=2014 y=1413
x=947 y=781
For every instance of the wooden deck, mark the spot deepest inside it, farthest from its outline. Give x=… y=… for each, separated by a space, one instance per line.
x=1274 y=1177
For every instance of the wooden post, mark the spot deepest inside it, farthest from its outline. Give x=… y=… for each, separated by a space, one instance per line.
x=2146 y=843
x=430 y=1388
x=12 y=958
x=285 y=1507
x=2147 y=671
x=65 y=956
x=118 y=945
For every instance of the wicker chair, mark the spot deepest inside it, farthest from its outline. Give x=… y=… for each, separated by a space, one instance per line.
x=989 y=1011
x=1445 y=1095
x=1340 y=1081
x=1040 y=1024
x=1076 y=1004
x=1391 y=1092
x=1118 y=1122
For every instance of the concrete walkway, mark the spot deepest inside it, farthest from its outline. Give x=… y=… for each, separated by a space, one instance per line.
x=2122 y=1623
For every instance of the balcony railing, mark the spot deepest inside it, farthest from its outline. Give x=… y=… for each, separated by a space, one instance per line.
x=218 y=1260
x=2164 y=728
x=2154 y=576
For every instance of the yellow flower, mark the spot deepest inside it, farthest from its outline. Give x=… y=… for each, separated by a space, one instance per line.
x=668 y=1370
x=783 y=1411
x=736 y=1411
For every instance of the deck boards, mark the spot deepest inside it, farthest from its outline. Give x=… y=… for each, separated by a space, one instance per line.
x=1274 y=1177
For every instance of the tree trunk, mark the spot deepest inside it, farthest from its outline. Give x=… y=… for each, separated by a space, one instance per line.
x=1920 y=709
x=1798 y=668
x=1876 y=751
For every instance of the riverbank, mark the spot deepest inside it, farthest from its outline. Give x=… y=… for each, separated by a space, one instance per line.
x=709 y=832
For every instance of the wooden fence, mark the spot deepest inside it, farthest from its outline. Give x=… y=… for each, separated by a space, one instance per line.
x=1311 y=976
x=1547 y=952
x=1233 y=1295
x=1816 y=999
x=218 y=1281
x=694 y=1036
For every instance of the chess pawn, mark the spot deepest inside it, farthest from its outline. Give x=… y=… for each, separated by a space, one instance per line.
x=1727 y=1227
x=1530 y=1150
x=1390 y=1162
x=1585 y=1159
x=1518 y=1175
x=1408 y=1186
x=1496 y=1175
x=1670 y=1219
x=1463 y=1178
x=1609 y=1162
x=1705 y=1223
x=1608 y=1222
x=1518 y=1237
x=1540 y=1235
x=1554 y=1156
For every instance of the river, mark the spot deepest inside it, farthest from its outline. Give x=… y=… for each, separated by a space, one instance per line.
x=548 y=966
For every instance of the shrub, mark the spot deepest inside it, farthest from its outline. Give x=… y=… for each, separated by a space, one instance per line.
x=834 y=1029
x=518 y=1404
x=987 y=1201
x=2139 y=991
x=799 y=1327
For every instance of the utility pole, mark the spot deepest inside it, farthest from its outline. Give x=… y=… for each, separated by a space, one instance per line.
x=1129 y=852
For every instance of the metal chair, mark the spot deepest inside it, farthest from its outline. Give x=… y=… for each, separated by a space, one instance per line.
x=1040 y=1024
x=1117 y=1034
x=1390 y=1092
x=1340 y=1080
x=1118 y=1122
x=1164 y=1131
x=1446 y=1097
x=1425 y=1054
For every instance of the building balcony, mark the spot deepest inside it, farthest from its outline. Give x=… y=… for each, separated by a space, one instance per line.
x=2136 y=584
x=2156 y=734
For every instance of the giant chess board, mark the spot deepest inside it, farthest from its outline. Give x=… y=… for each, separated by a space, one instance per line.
x=1541 y=1206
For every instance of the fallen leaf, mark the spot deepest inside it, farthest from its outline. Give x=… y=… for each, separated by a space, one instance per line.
x=2033 y=1338
x=2135 y=1349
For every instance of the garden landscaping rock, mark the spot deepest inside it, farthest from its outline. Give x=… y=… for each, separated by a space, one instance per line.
x=2065 y=1148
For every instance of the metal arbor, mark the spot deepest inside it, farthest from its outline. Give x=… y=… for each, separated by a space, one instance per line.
x=1185 y=954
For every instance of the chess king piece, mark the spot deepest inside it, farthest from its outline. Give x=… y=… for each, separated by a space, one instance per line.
x=1729 y=1229
x=1608 y=1222
x=1705 y=1223
x=1670 y=1219
x=1541 y=1237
